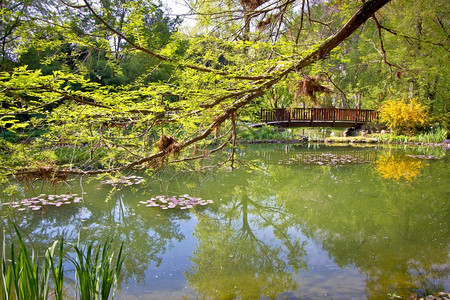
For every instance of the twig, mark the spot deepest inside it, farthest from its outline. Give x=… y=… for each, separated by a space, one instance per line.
x=301 y=22
x=34 y=108
x=164 y=58
x=383 y=51
x=392 y=31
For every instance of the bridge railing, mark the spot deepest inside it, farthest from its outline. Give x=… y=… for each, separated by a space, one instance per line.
x=319 y=114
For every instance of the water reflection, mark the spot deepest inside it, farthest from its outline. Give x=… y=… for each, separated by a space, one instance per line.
x=236 y=259
x=384 y=230
x=399 y=166
x=147 y=235
x=270 y=223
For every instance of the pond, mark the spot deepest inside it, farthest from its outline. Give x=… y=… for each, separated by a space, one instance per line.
x=295 y=221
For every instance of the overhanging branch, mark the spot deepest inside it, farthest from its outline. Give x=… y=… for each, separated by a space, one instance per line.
x=360 y=17
x=165 y=58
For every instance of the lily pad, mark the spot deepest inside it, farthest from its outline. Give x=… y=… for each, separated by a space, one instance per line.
x=124 y=181
x=36 y=203
x=182 y=202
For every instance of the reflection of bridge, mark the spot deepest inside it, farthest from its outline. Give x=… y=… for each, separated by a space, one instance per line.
x=316 y=117
x=336 y=156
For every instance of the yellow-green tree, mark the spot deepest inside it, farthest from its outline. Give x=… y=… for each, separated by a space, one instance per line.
x=402 y=116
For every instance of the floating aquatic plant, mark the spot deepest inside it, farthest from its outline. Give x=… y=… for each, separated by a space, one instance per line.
x=124 y=181
x=182 y=202
x=36 y=203
x=324 y=159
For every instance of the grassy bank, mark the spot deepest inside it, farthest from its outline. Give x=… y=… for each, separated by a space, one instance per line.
x=268 y=134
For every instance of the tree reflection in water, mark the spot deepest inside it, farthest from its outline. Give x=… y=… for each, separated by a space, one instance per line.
x=234 y=258
x=254 y=238
x=396 y=167
x=392 y=233
x=147 y=235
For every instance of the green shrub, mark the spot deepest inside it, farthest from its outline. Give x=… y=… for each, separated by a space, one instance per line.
x=264 y=132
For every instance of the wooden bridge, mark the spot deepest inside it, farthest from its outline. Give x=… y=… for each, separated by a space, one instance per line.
x=316 y=117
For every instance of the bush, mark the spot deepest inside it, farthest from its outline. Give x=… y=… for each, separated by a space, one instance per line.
x=403 y=117
x=265 y=132
x=392 y=138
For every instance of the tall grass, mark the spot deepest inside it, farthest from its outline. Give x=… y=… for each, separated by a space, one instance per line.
x=57 y=270
x=435 y=136
x=96 y=273
x=6 y=275
x=26 y=276
x=392 y=138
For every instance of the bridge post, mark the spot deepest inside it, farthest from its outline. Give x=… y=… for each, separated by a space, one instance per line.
x=334 y=116
x=289 y=117
x=311 y=111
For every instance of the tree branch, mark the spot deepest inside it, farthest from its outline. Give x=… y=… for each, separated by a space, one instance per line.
x=360 y=17
x=301 y=22
x=73 y=98
x=168 y=59
x=380 y=37
x=392 y=31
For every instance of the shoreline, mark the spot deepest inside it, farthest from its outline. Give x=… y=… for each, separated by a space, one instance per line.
x=347 y=140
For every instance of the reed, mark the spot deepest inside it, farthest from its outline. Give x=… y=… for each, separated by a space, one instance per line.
x=96 y=273
x=6 y=275
x=26 y=276
x=57 y=270
x=435 y=136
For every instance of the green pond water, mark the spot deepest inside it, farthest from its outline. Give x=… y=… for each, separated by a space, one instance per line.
x=293 y=222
